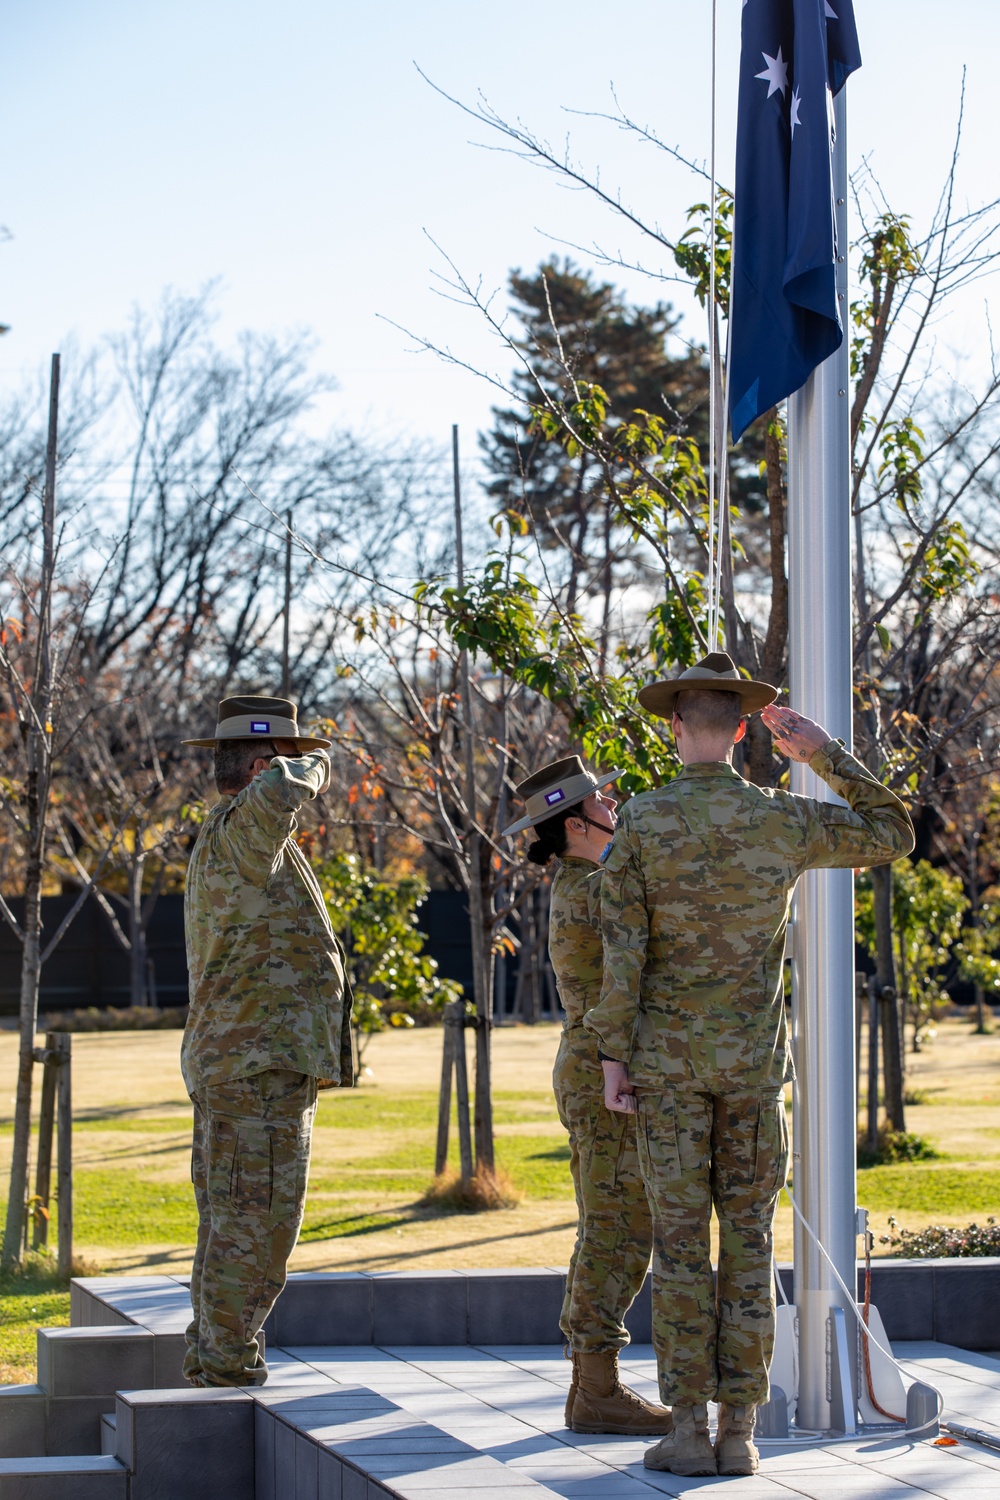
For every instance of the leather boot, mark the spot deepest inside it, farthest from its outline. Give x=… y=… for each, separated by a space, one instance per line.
x=735 y=1450
x=573 y=1387
x=688 y=1450
x=600 y=1403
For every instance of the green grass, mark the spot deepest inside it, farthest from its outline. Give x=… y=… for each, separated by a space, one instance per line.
x=913 y=1188
x=30 y=1299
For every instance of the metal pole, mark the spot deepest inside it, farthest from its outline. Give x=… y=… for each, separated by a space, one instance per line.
x=286 y=685
x=480 y=955
x=819 y=579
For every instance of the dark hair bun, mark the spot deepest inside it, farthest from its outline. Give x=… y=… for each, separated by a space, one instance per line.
x=540 y=852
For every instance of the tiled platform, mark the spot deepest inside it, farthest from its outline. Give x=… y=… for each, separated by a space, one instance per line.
x=397 y=1385
x=505 y=1404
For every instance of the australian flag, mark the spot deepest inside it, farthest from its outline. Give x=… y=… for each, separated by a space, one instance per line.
x=795 y=55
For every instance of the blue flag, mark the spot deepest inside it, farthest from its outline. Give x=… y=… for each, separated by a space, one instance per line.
x=784 y=317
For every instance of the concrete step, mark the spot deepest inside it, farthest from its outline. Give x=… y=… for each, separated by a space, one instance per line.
x=109 y=1422
x=92 y=1478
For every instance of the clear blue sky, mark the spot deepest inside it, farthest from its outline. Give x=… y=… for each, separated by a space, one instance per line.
x=294 y=152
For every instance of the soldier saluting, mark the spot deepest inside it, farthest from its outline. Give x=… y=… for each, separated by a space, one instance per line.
x=691 y=1023
x=573 y=817
x=269 y=1023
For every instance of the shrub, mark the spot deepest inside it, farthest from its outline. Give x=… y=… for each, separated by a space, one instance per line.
x=895 y=1146
x=395 y=983
x=483 y=1192
x=944 y=1239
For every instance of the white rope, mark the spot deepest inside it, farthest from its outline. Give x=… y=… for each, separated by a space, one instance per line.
x=859 y=1315
x=713 y=609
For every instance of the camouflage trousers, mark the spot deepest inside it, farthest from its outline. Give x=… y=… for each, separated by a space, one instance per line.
x=614 y=1232
x=697 y=1149
x=249 y=1162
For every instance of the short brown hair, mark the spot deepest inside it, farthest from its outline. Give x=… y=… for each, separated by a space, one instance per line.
x=709 y=711
x=234 y=762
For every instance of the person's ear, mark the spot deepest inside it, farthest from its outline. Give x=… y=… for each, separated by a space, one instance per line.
x=741 y=731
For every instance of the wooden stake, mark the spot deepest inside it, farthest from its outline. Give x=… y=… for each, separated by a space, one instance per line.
x=64 y=1152
x=873 y=1013
x=444 y=1097
x=462 y=1090
x=46 y=1126
x=480 y=953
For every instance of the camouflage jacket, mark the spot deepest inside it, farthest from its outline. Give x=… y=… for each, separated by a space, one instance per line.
x=266 y=971
x=575 y=936
x=695 y=897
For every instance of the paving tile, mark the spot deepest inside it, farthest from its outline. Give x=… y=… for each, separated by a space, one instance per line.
x=306 y=1469
x=22 y=1421
x=414 y=1306
x=323 y=1307
x=73 y=1423
x=355 y=1485
x=96 y=1478
x=520 y=1309
x=264 y=1443
x=94 y=1361
x=329 y=1477
x=284 y=1461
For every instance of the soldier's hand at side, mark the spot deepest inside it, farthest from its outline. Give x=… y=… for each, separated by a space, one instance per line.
x=794 y=735
x=619 y=1093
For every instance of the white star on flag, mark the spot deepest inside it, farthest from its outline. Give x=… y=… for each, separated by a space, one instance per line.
x=796 y=101
x=829 y=12
x=775 y=74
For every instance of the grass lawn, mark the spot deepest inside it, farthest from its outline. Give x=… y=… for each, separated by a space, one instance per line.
x=373 y=1158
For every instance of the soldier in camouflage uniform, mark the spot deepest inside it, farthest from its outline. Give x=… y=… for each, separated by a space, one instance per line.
x=573 y=817
x=269 y=1023
x=691 y=1023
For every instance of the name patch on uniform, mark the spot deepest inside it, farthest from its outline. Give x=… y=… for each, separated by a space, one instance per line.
x=260 y=726
x=557 y=796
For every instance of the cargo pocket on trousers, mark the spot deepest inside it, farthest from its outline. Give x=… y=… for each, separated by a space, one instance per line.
x=771 y=1151
x=657 y=1138
x=251 y=1179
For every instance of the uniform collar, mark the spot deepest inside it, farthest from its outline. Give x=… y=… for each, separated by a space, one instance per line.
x=575 y=861
x=709 y=769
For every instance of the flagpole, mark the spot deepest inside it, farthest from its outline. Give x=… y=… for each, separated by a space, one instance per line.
x=820 y=651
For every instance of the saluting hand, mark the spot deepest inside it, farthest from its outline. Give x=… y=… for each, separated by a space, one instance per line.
x=794 y=735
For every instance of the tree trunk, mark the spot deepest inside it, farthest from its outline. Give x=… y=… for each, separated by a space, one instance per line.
x=892 y=1048
x=137 y=936
x=30 y=973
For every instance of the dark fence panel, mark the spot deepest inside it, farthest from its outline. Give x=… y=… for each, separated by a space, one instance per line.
x=90 y=967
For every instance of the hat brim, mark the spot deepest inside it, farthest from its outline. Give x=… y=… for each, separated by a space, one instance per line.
x=531 y=822
x=301 y=744
x=659 y=697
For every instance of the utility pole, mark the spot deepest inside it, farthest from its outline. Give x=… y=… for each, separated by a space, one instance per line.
x=477 y=920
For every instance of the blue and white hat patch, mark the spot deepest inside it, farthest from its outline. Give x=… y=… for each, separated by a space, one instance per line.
x=558 y=795
x=260 y=726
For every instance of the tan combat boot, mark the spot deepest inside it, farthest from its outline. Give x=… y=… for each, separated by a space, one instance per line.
x=598 y=1402
x=573 y=1388
x=735 y=1451
x=688 y=1450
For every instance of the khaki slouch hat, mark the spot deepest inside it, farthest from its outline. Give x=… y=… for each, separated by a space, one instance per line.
x=714 y=673
x=564 y=783
x=251 y=718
